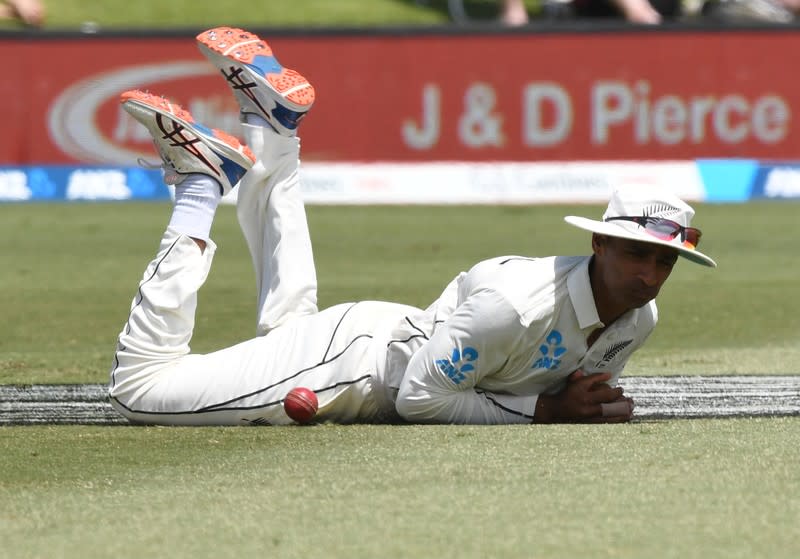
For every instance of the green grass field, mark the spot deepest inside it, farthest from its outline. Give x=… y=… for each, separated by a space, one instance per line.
x=699 y=488
x=683 y=489
x=149 y=14
x=70 y=272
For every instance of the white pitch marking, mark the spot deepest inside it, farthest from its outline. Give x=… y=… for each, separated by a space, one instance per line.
x=672 y=397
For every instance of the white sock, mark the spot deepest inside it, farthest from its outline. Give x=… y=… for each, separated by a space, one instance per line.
x=196 y=200
x=256 y=120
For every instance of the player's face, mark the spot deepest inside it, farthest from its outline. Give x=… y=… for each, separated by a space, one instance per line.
x=630 y=273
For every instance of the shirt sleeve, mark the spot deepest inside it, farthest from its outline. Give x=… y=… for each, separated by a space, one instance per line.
x=645 y=325
x=442 y=380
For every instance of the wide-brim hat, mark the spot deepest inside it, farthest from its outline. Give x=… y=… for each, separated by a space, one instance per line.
x=643 y=201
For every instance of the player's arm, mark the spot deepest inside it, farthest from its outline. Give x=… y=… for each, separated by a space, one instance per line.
x=440 y=381
x=596 y=397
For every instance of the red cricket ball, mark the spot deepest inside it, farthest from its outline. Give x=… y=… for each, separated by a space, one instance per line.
x=301 y=404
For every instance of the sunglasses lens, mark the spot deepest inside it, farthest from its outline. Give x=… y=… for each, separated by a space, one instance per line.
x=663 y=229
x=692 y=237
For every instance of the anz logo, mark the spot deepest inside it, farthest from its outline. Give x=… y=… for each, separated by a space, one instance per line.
x=551 y=352
x=459 y=364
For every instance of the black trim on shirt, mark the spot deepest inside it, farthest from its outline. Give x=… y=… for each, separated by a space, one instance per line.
x=502 y=407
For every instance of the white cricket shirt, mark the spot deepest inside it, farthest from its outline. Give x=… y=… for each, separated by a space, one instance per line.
x=501 y=334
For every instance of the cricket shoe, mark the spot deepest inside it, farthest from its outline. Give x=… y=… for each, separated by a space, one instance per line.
x=187 y=146
x=261 y=85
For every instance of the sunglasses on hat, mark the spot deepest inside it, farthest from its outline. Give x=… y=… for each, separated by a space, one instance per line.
x=664 y=229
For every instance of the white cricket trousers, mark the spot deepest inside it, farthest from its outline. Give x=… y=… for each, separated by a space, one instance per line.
x=338 y=352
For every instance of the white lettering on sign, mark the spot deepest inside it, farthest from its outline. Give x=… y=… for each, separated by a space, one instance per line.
x=427 y=135
x=536 y=98
x=479 y=125
x=612 y=104
x=671 y=119
x=771 y=119
x=14 y=186
x=619 y=111
x=783 y=183
x=97 y=185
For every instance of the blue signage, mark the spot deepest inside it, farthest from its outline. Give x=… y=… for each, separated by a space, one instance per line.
x=80 y=183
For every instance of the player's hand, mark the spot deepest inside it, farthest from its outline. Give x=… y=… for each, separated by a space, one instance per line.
x=587 y=398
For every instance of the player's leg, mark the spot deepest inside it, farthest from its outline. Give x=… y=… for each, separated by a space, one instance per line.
x=156 y=380
x=272 y=217
x=273 y=100
x=331 y=352
x=203 y=164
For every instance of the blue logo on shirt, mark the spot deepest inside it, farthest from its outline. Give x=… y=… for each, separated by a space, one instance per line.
x=551 y=352
x=454 y=368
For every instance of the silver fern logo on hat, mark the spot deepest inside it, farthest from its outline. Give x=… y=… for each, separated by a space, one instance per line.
x=651 y=216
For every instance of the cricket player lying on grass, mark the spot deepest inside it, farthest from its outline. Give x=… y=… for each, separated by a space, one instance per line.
x=514 y=340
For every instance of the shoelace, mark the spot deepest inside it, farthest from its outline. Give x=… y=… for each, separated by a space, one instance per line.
x=171 y=176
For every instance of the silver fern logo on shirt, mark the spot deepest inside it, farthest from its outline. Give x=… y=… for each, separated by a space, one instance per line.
x=611 y=352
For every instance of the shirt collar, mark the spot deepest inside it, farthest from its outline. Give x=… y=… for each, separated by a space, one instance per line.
x=580 y=293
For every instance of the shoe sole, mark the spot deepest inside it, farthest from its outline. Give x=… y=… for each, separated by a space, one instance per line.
x=217 y=140
x=226 y=46
x=235 y=159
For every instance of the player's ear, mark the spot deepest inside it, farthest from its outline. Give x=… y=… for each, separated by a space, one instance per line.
x=598 y=243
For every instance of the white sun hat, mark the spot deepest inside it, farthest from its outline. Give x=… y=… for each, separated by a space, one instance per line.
x=648 y=215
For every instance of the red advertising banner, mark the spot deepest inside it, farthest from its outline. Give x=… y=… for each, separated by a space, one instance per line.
x=471 y=97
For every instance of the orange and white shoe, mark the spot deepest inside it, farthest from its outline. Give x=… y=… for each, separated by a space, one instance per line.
x=261 y=85
x=187 y=146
